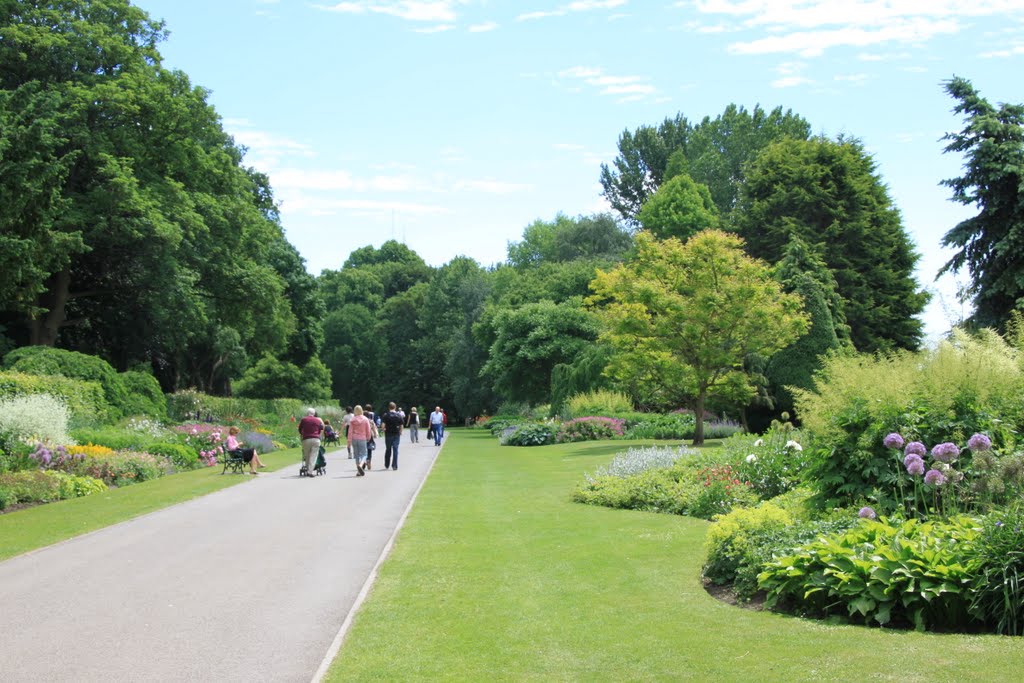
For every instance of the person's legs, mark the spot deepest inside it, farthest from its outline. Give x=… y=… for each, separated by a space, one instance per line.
x=388 y=443
x=437 y=435
x=359 y=449
x=309 y=447
x=397 y=441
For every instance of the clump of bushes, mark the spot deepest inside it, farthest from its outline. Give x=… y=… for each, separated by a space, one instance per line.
x=39 y=486
x=601 y=402
x=590 y=429
x=677 y=426
x=39 y=417
x=533 y=434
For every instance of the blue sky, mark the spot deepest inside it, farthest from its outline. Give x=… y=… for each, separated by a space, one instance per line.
x=453 y=124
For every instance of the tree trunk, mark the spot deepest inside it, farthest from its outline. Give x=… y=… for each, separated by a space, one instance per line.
x=698 y=415
x=44 y=327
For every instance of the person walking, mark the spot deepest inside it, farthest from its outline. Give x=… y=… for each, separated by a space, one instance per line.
x=345 y=421
x=360 y=432
x=310 y=429
x=371 y=445
x=413 y=423
x=437 y=424
x=392 y=421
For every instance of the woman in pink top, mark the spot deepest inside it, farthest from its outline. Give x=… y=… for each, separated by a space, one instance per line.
x=249 y=455
x=360 y=430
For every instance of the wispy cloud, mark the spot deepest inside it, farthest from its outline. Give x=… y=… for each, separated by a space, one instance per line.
x=1008 y=52
x=631 y=87
x=440 y=28
x=442 y=11
x=490 y=186
x=810 y=27
x=483 y=28
x=577 y=6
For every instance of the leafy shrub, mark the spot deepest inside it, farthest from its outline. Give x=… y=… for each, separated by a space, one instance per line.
x=183 y=406
x=590 y=429
x=636 y=460
x=37 y=486
x=261 y=442
x=143 y=395
x=17 y=457
x=904 y=573
x=677 y=426
x=720 y=491
x=181 y=457
x=966 y=385
x=84 y=399
x=536 y=434
x=772 y=464
x=45 y=360
x=666 y=490
x=997 y=591
x=113 y=438
x=734 y=537
x=721 y=429
x=37 y=417
x=125 y=467
x=600 y=402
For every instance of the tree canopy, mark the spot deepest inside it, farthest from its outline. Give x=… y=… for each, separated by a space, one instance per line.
x=828 y=194
x=990 y=245
x=683 y=317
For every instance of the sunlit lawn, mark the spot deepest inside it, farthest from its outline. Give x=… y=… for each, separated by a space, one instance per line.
x=498 y=576
x=39 y=526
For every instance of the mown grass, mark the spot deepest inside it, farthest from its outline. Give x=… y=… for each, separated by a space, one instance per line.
x=43 y=525
x=498 y=576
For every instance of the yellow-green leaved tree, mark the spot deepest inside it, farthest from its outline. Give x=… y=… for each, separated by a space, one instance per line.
x=684 y=316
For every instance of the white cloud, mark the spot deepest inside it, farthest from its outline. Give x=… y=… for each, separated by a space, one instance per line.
x=855 y=79
x=489 y=186
x=810 y=27
x=440 y=28
x=790 y=81
x=483 y=28
x=634 y=87
x=576 y=6
x=411 y=10
x=1010 y=52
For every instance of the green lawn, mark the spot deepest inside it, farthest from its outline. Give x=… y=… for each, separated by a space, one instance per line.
x=40 y=526
x=498 y=576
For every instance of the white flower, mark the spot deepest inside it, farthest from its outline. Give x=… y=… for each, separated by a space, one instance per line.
x=758 y=443
x=751 y=458
x=794 y=445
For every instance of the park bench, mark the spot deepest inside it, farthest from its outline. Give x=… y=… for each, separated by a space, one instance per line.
x=233 y=461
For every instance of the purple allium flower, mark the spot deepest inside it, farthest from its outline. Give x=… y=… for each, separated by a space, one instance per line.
x=999 y=524
x=916 y=448
x=893 y=440
x=979 y=443
x=946 y=452
x=914 y=464
x=934 y=477
x=866 y=513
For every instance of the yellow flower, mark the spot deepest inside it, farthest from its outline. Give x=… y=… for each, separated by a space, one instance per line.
x=91 y=451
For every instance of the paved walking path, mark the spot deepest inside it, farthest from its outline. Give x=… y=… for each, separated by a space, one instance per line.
x=247 y=584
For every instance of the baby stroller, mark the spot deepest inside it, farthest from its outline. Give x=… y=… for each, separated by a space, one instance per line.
x=320 y=467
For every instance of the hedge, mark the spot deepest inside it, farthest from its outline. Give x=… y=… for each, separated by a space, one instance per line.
x=85 y=399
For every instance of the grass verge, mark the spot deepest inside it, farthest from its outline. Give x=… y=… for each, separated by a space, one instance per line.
x=43 y=525
x=498 y=576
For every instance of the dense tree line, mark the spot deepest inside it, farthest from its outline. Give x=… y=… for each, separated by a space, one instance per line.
x=132 y=229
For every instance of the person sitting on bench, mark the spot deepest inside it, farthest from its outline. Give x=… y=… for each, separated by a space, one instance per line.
x=249 y=455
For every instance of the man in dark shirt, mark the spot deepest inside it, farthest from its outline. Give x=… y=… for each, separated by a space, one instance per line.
x=392 y=421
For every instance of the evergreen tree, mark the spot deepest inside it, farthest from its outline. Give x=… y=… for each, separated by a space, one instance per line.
x=991 y=244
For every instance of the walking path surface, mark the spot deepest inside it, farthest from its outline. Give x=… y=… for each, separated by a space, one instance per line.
x=247 y=584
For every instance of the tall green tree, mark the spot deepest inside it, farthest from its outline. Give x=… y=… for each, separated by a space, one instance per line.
x=828 y=194
x=569 y=239
x=803 y=272
x=164 y=240
x=529 y=341
x=712 y=152
x=684 y=317
x=990 y=245
x=680 y=208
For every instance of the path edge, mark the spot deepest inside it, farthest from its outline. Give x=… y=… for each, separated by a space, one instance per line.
x=339 y=639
